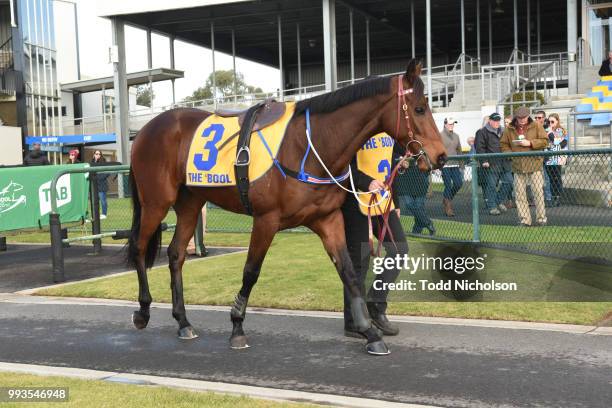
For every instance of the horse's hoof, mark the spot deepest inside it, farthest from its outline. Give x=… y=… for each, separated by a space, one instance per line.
x=238 y=342
x=140 y=320
x=377 y=348
x=187 y=333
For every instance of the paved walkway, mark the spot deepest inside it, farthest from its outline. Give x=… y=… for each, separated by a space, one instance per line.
x=25 y=266
x=434 y=364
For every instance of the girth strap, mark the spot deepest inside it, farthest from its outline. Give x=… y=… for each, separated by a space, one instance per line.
x=243 y=156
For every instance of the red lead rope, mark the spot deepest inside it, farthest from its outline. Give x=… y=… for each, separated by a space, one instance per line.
x=382 y=232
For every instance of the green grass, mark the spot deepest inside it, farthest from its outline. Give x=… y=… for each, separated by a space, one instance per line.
x=97 y=394
x=297 y=274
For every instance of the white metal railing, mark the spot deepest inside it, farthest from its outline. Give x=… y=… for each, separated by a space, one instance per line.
x=501 y=80
x=497 y=82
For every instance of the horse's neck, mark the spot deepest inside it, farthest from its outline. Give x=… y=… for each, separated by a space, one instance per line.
x=338 y=135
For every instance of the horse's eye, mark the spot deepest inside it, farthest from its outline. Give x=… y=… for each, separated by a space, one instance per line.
x=419 y=110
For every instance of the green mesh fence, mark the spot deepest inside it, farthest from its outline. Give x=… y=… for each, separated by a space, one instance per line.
x=565 y=210
x=576 y=190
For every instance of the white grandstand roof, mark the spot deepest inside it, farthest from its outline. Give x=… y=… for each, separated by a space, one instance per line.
x=111 y=8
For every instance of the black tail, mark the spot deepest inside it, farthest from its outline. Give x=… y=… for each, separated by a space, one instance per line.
x=154 y=245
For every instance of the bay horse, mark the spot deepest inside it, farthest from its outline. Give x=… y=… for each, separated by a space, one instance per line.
x=340 y=122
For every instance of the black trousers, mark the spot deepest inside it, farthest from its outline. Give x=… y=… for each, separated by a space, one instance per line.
x=556 y=181
x=356 y=232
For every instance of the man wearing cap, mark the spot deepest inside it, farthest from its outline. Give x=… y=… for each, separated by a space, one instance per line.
x=36 y=157
x=524 y=135
x=451 y=173
x=494 y=171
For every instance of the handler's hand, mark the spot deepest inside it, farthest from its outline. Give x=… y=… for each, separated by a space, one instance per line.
x=485 y=165
x=397 y=210
x=404 y=164
x=376 y=186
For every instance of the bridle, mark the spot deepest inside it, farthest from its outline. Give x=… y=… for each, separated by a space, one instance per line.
x=402 y=106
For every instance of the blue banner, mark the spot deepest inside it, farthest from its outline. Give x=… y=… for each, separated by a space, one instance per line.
x=73 y=139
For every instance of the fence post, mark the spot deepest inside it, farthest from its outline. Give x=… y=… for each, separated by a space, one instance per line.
x=95 y=211
x=475 y=209
x=57 y=249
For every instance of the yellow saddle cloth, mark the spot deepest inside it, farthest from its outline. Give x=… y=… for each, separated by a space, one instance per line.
x=209 y=165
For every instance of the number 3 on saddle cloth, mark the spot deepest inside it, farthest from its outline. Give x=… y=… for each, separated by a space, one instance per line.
x=212 y=154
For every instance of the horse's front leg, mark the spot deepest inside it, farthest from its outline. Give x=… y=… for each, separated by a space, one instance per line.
x=187 y=208
x=264 y=229
x=331 y=231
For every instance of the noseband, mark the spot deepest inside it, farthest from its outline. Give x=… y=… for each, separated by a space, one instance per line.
x=402 y=105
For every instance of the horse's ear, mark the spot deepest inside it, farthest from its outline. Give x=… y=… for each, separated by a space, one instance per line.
x=414 y=69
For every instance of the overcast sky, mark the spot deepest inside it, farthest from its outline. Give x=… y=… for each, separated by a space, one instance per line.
x=95 y=39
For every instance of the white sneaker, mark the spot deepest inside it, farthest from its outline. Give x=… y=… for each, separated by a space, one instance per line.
x=494 y=211
x=502 y=208
x=102 y=216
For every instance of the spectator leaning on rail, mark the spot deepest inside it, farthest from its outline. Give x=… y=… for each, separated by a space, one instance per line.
x=494 y=171
x=451 y=173
x=524 y=135
x=558 y=140
x=36 y=157
x=606 y=66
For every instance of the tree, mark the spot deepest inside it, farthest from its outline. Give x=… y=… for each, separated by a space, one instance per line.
x=144 y=95
x=224 y=81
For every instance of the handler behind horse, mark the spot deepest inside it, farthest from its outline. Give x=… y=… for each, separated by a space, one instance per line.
x=370 y=159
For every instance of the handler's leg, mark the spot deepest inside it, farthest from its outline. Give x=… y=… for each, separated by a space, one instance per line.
x=264 y=229
x=331 y=231
x=378 y=292
x=356 y=236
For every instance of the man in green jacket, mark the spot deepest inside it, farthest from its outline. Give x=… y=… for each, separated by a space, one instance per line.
x=524 y=135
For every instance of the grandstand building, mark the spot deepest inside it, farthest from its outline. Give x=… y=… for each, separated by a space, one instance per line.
x=479 y=56
x=477 y=53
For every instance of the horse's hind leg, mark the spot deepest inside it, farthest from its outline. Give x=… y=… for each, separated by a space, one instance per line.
x=264 y=229
x=331 y=231
x=187 y=208
x=150 y=219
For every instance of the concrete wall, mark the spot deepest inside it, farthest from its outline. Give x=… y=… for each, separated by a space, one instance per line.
x=10 y=140
x=8 y=112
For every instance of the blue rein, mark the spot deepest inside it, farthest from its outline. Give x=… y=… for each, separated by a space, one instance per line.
x=305 y=177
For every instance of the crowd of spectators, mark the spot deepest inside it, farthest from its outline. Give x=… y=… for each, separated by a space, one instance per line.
x=517 y=182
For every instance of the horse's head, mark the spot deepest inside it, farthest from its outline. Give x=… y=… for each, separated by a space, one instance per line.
x=409 y=120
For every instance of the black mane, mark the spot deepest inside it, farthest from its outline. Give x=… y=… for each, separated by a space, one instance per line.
x=329 y=102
